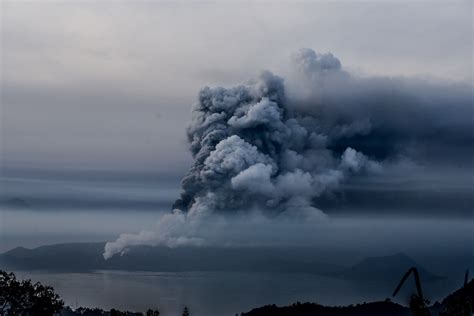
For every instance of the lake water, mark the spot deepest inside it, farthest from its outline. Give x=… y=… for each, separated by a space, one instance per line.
x=216 y=293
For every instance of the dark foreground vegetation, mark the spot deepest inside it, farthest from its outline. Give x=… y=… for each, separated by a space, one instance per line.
x=27 y=298
x=459 y=303
x=312 y=309
x=24 y=298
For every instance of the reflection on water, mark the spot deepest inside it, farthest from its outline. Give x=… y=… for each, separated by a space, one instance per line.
x=215 y=293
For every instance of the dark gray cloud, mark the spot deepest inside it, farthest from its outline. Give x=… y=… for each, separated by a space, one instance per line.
x=420 y=132
x=382 y=116
x=255 y=146
x=250 y=150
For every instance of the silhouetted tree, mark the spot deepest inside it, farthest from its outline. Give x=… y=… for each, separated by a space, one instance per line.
x=151 y=312
x=466 y=278
x=185 y=311
x=418 y=305
x=114 y=312
x=461 y=302
x=26 y=298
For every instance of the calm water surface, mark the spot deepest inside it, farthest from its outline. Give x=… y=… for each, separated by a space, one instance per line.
x=215 y=293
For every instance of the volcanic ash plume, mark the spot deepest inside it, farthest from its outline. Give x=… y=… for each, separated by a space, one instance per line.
x=251 y=150
x=257 y=148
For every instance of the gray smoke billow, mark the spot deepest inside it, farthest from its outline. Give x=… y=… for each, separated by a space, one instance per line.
x=255 y=146
x=252 y=150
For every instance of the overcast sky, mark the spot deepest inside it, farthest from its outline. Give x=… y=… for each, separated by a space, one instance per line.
x=109 y=85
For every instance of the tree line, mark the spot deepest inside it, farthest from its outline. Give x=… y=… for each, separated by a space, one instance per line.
x=25 y=298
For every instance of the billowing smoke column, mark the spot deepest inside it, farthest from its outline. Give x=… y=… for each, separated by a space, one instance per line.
x=251 y=150
x=256 y=147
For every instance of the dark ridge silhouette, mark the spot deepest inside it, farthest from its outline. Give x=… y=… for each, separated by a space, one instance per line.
x=77 y=257
x=459 y=303
x=88 y=256
x=386 y=308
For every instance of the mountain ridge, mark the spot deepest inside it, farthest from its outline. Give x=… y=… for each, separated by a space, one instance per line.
x=389 y=267
x=88 y=256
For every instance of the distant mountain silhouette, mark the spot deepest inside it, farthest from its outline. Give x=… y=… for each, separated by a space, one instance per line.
x=386 y=268
x=88 y=256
